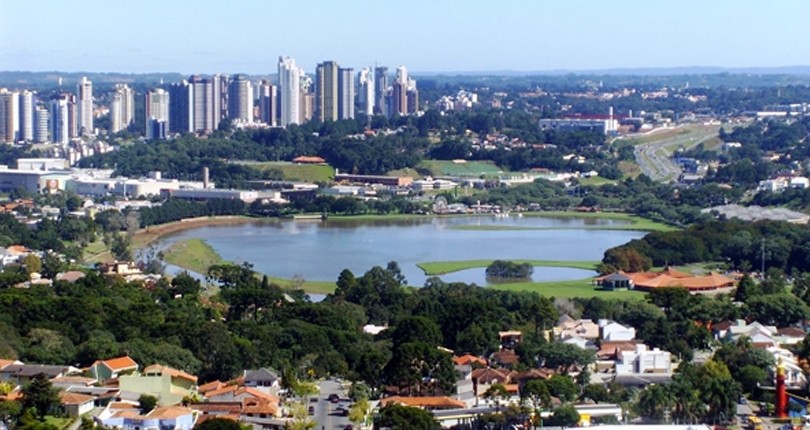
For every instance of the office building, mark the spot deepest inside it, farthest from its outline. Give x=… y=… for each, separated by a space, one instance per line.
x=268 y=103
x=346 y=93
x=306 y=110
x=59 y=118
x=326 y=91
x=181 y=101
x=9 y=116
x=122 y=108
x=399 y=93
x=240 y=99
x=27 y=116
x=365 y=91
x=84 y=110
x=156 y=109
x=381 y=91
x=289 y=85
x=202 y=111
x=41 y=118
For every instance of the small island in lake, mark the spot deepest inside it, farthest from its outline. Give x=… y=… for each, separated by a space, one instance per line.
x=507 y=270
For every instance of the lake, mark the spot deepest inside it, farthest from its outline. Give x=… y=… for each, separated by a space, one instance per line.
x=320 y=250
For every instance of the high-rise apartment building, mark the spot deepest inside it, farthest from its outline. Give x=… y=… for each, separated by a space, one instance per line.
x=122 y=108
x=59 y=118
x=326 y=91
x=289 y=84
x=219 y=97
x=27 y=116
x=268 y=103
x=9 y=116
x=381 y=91
x=156 y=109
x=84 y=111
x=346 y=93
x=399 y=94
x=41 y=118
x=181 y=102
x=240 y=99
x=203 y=104
x=365 y=91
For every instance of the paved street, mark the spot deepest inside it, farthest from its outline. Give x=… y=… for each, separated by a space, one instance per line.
x=654 y=157
x=325 y=414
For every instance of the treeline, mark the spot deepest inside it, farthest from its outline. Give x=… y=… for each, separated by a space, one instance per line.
x=741 y=244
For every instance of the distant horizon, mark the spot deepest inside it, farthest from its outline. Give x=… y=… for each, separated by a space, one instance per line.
x=798 y=69
x=427 y=36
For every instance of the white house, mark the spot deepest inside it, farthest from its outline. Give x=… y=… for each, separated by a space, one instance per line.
x=644 y=360
x=613 y=331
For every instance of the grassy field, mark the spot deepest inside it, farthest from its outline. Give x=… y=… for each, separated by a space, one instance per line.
x=470 y=168
x=434 y=268
x=596 y=181
x=570 y=289
x=296 y=172
x=193 y=254
x=59 y=423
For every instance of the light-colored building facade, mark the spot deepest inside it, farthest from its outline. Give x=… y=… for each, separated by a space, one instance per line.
x=346 y=93
x=202 y=112
x=365 y=91
x=157 y=112
x=26 y=116
x=240 y=99
x=268 y=103
x=41 y=118
x=9 y=116
x=326 y=91
x=122 y=108
x=59 y=119
x=289 y=84
x=84 y=93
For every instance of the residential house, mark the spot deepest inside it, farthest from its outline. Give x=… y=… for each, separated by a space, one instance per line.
x=21 y=374
x=470 y=360
x=4 y=363
x=66 y=382
x=582 y=328
x=614 y=332
x=169 y=385
x=167 y=417
x=428 y=402
x=791 y=335
x=510 y=339
x=504 y=358
x=794 y=374
x=644 y=360
x=110 y=369
x=264 y=379
x=581 y=342
x=75 y=404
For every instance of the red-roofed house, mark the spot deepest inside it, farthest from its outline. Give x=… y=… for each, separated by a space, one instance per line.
x=75 y=404
x=469 y=360
x=112 y=368
x=434 y=402
x=169 y=385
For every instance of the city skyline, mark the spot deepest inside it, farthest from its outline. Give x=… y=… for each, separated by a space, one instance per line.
x=426 y=36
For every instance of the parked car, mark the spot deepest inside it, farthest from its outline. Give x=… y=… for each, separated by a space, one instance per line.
x=311 y=410
x=334 y=398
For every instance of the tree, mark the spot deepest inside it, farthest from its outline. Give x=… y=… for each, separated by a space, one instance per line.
x=405 y=417
x=564 y=416
x=495 y=394
x=359 y=412
x=52 y=264
x=718 y=390
x=500 y=269
x=565 y=357
x=40 y=395
x=652 y=402
x=146 y=403
x=32 y=264
x=536 y=390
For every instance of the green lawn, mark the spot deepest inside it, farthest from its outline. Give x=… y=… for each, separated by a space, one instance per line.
x=569 y=289
x=192 y=254
x=633 y=222
x=435 y=268
x=60 y=423
x=296 y=172
x=470 y=168
x=596 y=181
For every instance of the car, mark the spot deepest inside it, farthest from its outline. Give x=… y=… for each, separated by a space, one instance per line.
x=311 y=410
x=348 y=427
x=334 y=398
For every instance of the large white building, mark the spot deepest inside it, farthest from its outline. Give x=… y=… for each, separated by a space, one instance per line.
x=9 y=116
x=157 y=113
x=289 y=83
x=365 y=91
x=41 y=118
x=326 y=91
x=122 y=108
x=59 y=120
x=345 y=93
x=84 y=93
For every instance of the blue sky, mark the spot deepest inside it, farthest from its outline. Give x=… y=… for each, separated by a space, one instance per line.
x=232 y=36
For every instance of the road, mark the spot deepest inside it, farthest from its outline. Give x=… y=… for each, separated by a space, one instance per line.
x=654 y=157
x=325 y=414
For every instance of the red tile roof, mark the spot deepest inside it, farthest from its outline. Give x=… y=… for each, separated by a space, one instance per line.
x=166 y=370
x=434 y=402
x=119 y=363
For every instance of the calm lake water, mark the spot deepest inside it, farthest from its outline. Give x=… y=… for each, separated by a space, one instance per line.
x=320 y=250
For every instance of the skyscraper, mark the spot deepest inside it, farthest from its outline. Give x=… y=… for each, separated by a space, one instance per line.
x=346 y=93
x=326 y=91
x=122 y=108
x=289 y=84
x=240 y=99
x=41 y=118
x=219 y=99
x=27 y=116
x=9 y=116
x=381 y=90
x=202 y=105
x=85 y=106
x=157 y=112
x=59 y=119
x=181 y=101
x=399 y=95
x=268 y=103
x=365 y=91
